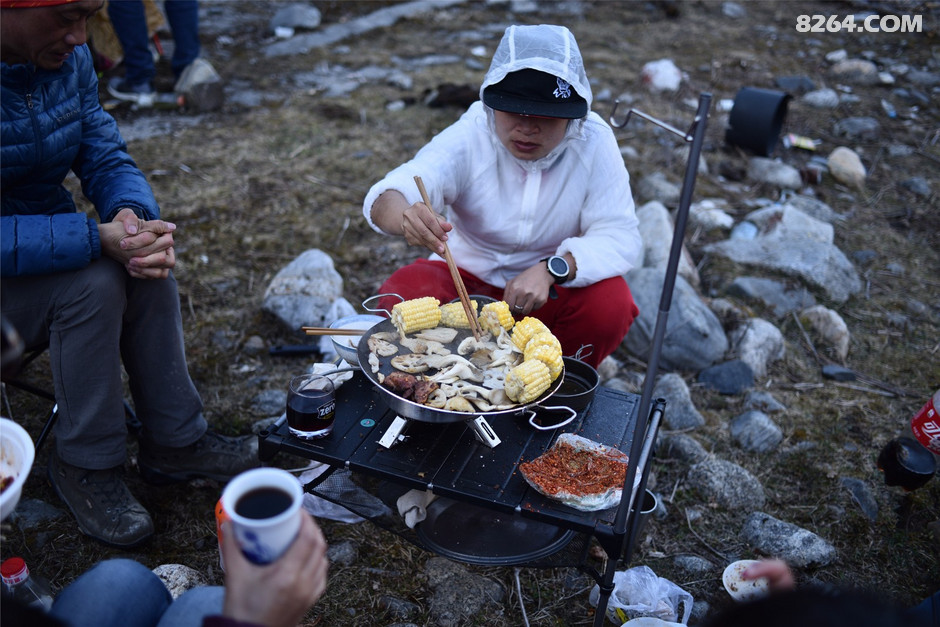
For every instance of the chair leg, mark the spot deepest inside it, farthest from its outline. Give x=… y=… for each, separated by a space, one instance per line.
x=47 y=427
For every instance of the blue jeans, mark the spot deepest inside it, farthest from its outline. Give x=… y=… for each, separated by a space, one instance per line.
x=124 y=593
x=130 y=25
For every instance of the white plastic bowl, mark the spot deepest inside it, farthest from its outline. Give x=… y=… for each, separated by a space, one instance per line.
x=346 y=345
x=16 y=459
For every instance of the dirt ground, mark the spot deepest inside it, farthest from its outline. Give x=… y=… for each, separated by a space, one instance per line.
x=252 y=188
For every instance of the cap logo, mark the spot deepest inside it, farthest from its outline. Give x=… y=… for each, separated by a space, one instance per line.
x=563 y=90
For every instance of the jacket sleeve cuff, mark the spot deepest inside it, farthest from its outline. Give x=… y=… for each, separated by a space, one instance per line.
x=94 y=239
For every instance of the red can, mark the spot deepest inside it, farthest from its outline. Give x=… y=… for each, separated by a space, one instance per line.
x=926 y=424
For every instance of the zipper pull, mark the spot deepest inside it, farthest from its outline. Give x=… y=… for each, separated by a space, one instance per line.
x=29 y=100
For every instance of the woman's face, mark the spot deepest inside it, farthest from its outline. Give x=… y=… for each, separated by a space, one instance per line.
x=529 y=137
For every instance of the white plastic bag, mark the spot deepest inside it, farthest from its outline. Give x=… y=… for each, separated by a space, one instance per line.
x=640 y=592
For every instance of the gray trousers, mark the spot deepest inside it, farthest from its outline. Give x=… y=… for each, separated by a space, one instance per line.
x=94 y=319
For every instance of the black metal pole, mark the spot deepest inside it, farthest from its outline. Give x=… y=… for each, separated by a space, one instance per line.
x=633 y=501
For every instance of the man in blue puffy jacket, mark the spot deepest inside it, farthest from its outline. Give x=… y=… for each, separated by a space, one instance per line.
x=101 y=293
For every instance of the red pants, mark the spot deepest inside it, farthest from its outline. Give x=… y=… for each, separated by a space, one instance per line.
x=596 y=317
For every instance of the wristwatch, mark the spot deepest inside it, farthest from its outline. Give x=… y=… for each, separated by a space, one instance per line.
x=558 y=268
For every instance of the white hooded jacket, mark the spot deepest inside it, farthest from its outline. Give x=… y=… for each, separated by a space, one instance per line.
x=509 y=213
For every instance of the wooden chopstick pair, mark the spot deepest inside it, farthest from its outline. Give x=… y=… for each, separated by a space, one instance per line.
x=454 y=273
x=329 y=331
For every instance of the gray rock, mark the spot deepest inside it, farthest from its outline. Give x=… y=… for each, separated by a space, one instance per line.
x=846 y=167
x=731 y=377
x=858 y=128
x=924 y=78
x=458 y=595
x=296 y=16
x=837 y=56
x=798 y=547
x=270 y=402
x=254 y=346
x=814 y=208
x=774 y=294
x=744 y=231
x=838 y=373
x=694 y=564
x=733 y=10
x=656 y=227
x=31 y=514
x=657 y=187
x=773 y=172
x=755 y=431
x=710 y=214
x=398 y=609
x=694 y=337
x=821 y=98
x=757 y=343
x=680 y=411
x=855 y=71
x=303 y=291
x=862 y=495
x=792 y=242
x=680 y=446
x=302 y=44
x=795 y=84
x=179 y=578
x=918 y=185
x=726 y=484
x=830 y=328
x=763 y=401
x=343 y=553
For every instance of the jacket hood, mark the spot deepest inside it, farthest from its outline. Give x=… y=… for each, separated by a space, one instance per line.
x=543 y=47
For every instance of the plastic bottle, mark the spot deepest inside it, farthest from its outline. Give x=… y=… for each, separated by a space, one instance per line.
x=926 y=424
x=28 y=589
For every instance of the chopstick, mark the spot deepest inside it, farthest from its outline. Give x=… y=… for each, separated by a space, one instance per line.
x=454 y=273
x=329 y=331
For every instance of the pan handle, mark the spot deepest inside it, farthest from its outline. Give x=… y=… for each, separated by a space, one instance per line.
x=379 y=309
x=567 y=421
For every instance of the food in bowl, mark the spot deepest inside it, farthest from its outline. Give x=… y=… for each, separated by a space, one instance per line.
x=345 y=345
x=16 y=460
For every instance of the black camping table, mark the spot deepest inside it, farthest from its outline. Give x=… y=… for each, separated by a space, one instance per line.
x=449 y=460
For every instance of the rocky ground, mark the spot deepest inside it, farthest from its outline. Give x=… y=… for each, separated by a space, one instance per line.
x=309 y=123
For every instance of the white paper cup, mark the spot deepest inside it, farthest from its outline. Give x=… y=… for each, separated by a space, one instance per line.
x=743 y=589
x=264 y=506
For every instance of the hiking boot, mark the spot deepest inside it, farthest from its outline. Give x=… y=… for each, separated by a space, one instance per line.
x=103 y=506
x=212 y=456
x=143 y=94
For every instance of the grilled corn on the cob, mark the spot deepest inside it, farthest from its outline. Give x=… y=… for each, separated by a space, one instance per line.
x=523 y=331
x=527 y=381
x=496 y=315
x=547 y=354
x=453 y=315
x=416 y=314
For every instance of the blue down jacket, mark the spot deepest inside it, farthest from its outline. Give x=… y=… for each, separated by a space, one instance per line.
x=51 y=123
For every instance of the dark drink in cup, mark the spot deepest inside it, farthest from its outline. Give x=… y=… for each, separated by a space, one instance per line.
x=311 y=406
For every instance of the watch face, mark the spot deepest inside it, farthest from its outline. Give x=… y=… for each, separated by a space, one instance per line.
x=558 y=266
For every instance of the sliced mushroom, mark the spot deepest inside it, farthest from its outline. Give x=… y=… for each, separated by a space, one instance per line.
x=444 y=335
x=410 y=362
x=382 y=347
x=458 y=403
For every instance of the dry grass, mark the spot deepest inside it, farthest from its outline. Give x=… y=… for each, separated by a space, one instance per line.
x=250 y=190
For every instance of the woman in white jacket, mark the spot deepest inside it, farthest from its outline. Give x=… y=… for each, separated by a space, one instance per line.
x=537 y=199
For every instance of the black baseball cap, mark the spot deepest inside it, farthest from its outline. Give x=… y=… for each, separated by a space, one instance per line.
x=533 y=92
